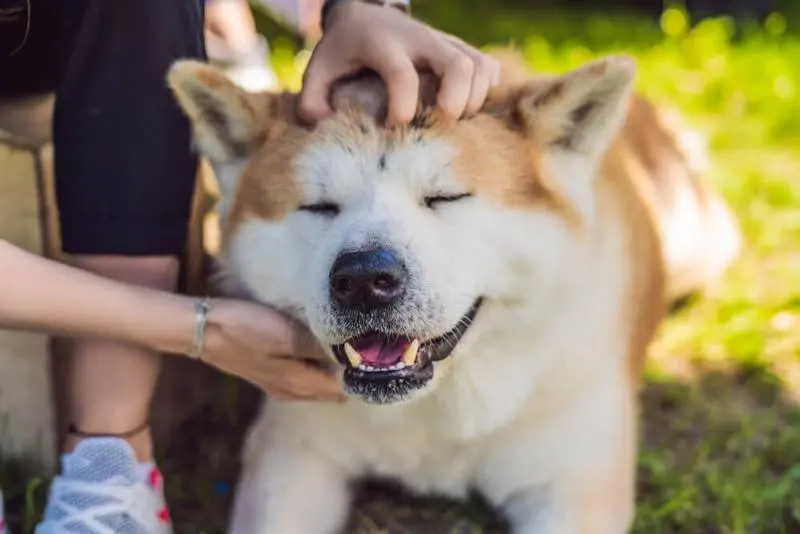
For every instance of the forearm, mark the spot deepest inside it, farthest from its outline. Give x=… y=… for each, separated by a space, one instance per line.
x=37 y=294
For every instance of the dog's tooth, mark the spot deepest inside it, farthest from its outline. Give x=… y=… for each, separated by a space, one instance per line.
x=410 y=354
x=352 y=355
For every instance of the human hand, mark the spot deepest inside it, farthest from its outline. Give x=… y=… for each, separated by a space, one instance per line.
x=394 y=45
x=268 y=350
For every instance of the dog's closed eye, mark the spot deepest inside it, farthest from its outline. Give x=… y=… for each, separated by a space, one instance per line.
x=434 y=200
x=327 y=209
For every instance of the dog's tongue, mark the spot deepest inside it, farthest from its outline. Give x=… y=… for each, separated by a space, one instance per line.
x=377 y=350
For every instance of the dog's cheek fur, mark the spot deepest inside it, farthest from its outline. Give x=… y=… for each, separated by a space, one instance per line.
x=484 y=240
x=271 y=260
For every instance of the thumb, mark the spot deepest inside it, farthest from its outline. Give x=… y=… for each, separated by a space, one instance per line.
x=278 y=333
x=321 y=73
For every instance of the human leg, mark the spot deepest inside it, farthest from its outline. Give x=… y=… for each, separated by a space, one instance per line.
x=124 y=179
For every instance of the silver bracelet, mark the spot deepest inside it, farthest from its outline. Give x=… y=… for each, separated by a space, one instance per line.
x=201 y=308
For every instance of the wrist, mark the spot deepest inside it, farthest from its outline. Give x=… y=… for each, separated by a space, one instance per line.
x=330 y=7
x=172 y=324
x=192 y=328
x=197 y=329
x=209 y=332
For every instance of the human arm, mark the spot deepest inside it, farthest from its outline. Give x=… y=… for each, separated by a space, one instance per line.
x=241 y=338
x=360 y=34
x=42 y=295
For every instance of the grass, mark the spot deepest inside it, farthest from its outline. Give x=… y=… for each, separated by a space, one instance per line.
x=721 y=418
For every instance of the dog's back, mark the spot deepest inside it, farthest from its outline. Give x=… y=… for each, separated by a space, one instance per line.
x=666 y=159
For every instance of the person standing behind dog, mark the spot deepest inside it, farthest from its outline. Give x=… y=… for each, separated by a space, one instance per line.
x=124 y=180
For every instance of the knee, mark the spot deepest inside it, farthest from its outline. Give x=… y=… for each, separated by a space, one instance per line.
x=159 y=272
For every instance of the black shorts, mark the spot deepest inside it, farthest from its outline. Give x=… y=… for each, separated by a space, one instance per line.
x=124 y=168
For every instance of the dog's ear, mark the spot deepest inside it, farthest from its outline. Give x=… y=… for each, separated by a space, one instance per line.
x=228 y=121
x=580 y=111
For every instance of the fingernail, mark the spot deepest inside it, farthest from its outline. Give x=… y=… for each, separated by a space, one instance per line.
x=314 y=114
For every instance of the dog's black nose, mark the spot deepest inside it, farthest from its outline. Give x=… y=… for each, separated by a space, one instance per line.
x=367 y=280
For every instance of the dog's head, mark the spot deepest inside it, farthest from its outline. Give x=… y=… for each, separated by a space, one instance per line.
x=395 y=244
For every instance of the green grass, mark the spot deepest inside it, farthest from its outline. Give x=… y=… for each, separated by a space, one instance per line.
x=721 y=424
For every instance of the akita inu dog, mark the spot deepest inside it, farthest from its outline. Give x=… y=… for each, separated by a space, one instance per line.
x=487 y=288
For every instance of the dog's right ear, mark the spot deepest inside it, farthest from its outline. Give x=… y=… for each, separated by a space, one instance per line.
x=228 y=122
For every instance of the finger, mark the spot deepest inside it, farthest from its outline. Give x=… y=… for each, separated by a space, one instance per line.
x=492 y=64
x=484 y=77
x=455 y=70
x=323 y=397
x=278 y=394
x=305 y=381
x=321 y=73
x=486 y=74
x=287 y=396
x=481 y=84
x=278 y=390
x=397 y=70
x=286 y=336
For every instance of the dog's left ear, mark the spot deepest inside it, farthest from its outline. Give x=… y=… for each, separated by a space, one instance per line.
x=227 y=121
x=580 y=111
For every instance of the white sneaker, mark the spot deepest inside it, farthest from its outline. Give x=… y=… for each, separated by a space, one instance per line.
x=3 y=526
x=103 y=490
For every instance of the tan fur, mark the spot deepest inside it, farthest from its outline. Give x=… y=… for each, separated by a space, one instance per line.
x=687 y=210
x=648 y=276
x=272 y=198
x=647 y=152
x=577 y=181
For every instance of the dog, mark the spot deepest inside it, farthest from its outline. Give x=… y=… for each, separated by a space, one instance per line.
x=487 y=288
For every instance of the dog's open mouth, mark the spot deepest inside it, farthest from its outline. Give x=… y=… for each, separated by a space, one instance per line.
x=384 y=357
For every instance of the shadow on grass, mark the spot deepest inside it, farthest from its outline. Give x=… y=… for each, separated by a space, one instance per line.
x=720 y=454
